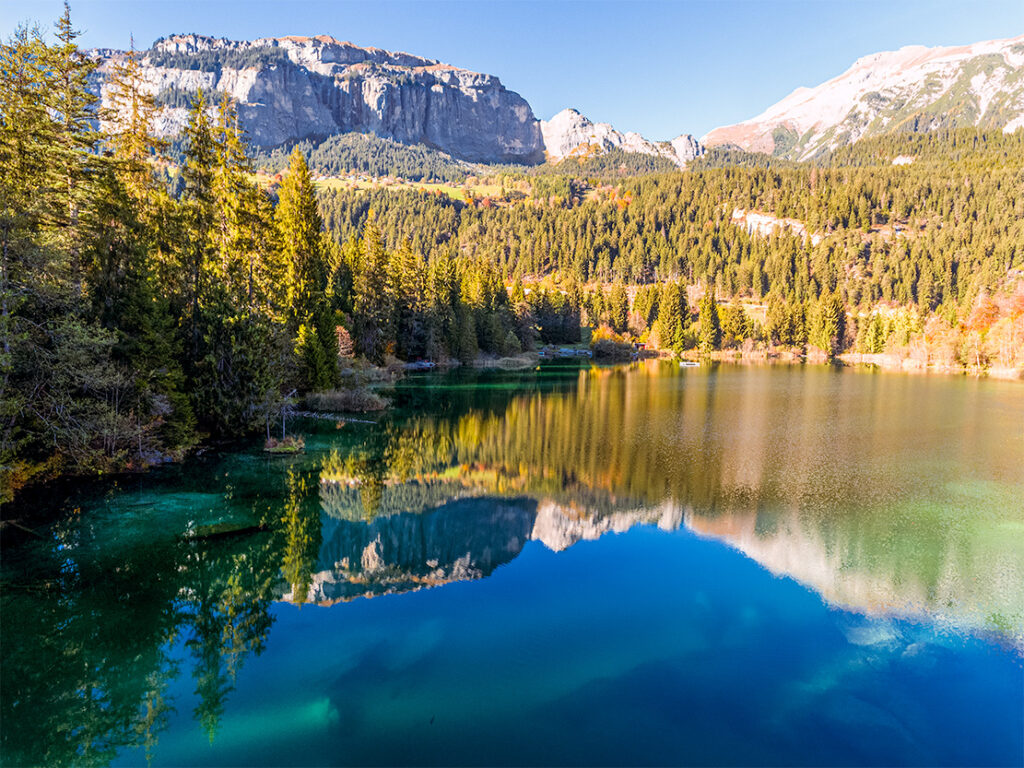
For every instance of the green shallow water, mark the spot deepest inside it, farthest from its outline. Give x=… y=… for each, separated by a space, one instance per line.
x=635 y=565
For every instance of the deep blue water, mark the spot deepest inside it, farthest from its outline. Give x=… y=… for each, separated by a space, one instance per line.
x=482 y=579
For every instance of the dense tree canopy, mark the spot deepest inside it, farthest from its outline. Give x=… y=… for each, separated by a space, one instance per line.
x=136 y=319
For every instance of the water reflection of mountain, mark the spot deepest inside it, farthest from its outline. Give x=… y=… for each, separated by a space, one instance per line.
x=959 y=584
x=822 y=488
x=460 y=540
x=964 y=587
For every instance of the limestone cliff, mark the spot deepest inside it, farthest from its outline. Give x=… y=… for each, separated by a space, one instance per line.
x=293 y=88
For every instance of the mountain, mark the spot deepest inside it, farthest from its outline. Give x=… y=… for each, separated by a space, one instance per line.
x=914 y=88
x=293 y=88
x=569 y=133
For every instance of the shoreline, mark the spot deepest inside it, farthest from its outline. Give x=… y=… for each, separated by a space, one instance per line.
x=523 y=362
x=883 y=361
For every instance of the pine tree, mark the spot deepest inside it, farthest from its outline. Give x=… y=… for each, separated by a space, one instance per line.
x=673 y=317
x=300 y=229
x=72 y=158
x=736 y=325
x=442 y=303
x=468 y=347
x=828 y=324
x=374 y=304
x=127 y=121
x=408 y=273
x=234 y=215
x=198 y=207
x=618 y=307
x=710 y=326
x=518 y=295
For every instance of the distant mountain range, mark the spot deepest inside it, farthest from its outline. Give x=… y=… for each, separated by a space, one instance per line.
x=289 y=89
x=912 y=89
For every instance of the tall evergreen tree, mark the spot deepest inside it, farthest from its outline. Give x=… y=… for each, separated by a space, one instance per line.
x=374 y=305
x=710 y=325
x=618 y=307
x=442 y=308
x=198 y=203
x=72 y=109
x=828 y=324
x=673 y=317
x=311 y=319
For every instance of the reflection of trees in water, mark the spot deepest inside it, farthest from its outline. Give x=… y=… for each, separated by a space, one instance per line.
x=751 y=464
x=225 y=616
x=98 y=685
x=783 y=472
x=300 y=524
x=586 y=441
x=78 y=696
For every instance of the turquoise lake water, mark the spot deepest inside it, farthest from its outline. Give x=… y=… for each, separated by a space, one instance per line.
x=727 y=565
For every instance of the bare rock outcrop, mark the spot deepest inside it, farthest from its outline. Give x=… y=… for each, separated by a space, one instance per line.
x=293 y=88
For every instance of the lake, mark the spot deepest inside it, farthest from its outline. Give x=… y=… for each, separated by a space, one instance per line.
x=724 y=565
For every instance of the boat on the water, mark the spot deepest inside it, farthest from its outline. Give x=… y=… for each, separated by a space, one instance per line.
x=688 y=364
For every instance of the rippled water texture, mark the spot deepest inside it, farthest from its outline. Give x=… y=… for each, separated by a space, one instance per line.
x=648 y=565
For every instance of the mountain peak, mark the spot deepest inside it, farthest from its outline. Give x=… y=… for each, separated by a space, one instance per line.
x=917 y=87
x=569 y=133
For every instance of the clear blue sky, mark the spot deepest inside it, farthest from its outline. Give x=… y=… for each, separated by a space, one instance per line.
x=660 y=68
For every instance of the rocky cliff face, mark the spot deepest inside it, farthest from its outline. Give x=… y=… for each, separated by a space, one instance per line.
x=568 y=132
x=293 y=88
x=913 y=88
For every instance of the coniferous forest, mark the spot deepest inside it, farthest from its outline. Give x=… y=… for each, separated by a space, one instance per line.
x=147 y=305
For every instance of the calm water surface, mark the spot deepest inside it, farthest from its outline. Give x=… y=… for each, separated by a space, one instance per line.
x=644 y=565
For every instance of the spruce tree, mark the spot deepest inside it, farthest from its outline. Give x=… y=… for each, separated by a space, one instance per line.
x=710 y=325
x=72 y=157
x=198 y=207
x=300 y=229
x=407 y=274
x=618 y=308
x=374 y=303
x=828 y=324
x=442 y=303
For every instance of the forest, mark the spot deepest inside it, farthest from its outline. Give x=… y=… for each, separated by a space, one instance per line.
x=150 y=300
x=931 y=250
x=368 y=154
x=136 y=323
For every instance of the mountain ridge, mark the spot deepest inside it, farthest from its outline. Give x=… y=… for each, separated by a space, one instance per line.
x=298 y=87
x=915 y=87
x=568 y=132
